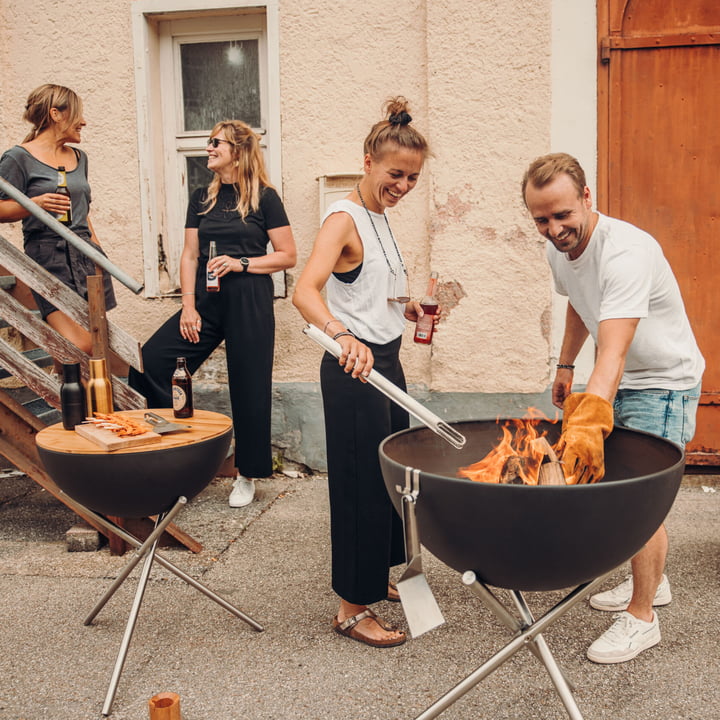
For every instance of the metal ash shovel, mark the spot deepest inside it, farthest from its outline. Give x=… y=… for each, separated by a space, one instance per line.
x=421 y=609
x=160 y=425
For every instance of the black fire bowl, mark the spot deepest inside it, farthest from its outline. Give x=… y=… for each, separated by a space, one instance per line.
x=137 y=484
x=528 y=537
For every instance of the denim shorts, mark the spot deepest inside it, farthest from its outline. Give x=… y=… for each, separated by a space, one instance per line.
x=667 y=413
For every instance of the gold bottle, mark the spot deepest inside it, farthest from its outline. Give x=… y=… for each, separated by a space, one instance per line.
x=99 y=388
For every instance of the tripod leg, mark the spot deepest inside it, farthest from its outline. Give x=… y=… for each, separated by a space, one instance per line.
x=129 y=629
x=209 y=593
x=130 y=539
x=525 y=637
x=503 y=614
x=473 y=679
x=160 y=525
x=562 y=684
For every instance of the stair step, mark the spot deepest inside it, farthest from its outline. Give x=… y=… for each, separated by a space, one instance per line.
x=4 y=323
x=37 y=406
x=47 y=413
x=36 y=355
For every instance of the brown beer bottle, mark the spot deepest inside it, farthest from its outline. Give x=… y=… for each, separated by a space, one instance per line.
x=182 y=399
x=425 y=326
x=62 y=189
x=212 y=283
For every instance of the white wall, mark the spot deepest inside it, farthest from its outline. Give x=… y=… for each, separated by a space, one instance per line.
x=574 y=120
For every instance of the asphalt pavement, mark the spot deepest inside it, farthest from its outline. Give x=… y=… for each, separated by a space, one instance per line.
x=271 y=560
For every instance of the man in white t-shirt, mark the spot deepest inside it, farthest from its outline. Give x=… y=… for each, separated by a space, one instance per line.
x=647 y=372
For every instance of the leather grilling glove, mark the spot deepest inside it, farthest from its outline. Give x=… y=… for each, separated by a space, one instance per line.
x=587 y=421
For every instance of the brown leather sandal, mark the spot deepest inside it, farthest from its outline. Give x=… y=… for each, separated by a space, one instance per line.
x=393 y=594
x=347 y=628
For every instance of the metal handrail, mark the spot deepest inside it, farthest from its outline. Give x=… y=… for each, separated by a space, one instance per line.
x=77 y=242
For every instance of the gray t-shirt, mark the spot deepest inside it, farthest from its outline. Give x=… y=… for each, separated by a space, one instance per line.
x=33 y=177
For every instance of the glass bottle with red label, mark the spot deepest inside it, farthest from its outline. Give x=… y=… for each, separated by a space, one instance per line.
x=425 y=325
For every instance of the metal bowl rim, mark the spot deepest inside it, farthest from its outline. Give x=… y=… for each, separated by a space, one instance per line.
x=522 y=488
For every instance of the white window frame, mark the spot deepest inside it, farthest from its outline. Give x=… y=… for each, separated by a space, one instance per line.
x=162 y=216
x=178 y=143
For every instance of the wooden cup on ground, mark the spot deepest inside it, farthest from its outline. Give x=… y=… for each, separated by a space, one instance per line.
x=165 y=706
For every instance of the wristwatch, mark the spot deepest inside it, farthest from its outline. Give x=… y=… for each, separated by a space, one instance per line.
x=245 y=263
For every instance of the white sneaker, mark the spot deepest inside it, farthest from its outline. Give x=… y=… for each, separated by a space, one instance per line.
x=618 y=599
x=627 y=637
x=243 y=492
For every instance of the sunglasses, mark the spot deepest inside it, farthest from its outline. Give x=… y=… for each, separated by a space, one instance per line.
x=216 y=141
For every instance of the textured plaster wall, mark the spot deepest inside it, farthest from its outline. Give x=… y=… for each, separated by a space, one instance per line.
x=88 y=47
x=489 y=99
x=478 y=76
x=340 y=61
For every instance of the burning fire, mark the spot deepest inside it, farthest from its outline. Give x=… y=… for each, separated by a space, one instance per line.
x=518 y=457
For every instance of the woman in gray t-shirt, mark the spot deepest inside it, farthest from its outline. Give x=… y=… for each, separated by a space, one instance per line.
x=56 y=115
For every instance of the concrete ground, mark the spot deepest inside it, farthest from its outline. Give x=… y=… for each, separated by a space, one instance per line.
x=271 y=559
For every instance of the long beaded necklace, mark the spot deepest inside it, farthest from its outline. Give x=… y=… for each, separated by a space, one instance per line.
x=393 y=272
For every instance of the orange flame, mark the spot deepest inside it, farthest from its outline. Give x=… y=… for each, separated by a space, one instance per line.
x=517 y=442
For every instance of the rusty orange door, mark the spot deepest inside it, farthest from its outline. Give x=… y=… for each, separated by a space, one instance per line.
x=659 y=157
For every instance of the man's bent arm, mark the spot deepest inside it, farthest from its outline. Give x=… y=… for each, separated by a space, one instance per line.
x=613 y=343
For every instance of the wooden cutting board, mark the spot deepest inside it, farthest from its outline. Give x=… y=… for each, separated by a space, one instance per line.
x=109 y=440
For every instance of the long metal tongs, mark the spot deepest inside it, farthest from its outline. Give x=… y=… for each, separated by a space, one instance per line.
x=425 y=416
x=421 y=609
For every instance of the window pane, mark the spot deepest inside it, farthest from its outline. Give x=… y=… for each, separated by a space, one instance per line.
x=197 y=174
x=221 y=81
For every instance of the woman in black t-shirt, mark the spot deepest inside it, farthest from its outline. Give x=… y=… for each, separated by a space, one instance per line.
x=241 y=212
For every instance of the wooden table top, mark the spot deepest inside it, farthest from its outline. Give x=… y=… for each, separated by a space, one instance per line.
x=203 y=426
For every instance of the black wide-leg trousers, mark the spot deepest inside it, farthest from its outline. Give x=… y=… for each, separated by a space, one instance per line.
x=366 y=531
x=242 y=315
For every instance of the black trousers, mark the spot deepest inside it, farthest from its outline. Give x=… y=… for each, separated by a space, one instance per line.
x=242 y=315
x=366 y=532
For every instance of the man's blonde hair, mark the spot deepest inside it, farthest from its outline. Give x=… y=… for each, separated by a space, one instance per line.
x=546 y=168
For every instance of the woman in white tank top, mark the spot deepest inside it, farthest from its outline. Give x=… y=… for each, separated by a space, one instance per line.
x=358 y=262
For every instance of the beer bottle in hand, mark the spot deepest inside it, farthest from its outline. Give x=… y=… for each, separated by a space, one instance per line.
x=62 y=189
x=426 y=324
x=213 y=281
x=182 y=399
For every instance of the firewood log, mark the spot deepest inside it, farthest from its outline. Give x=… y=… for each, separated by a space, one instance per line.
x=551 y=471
x=512 y=471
